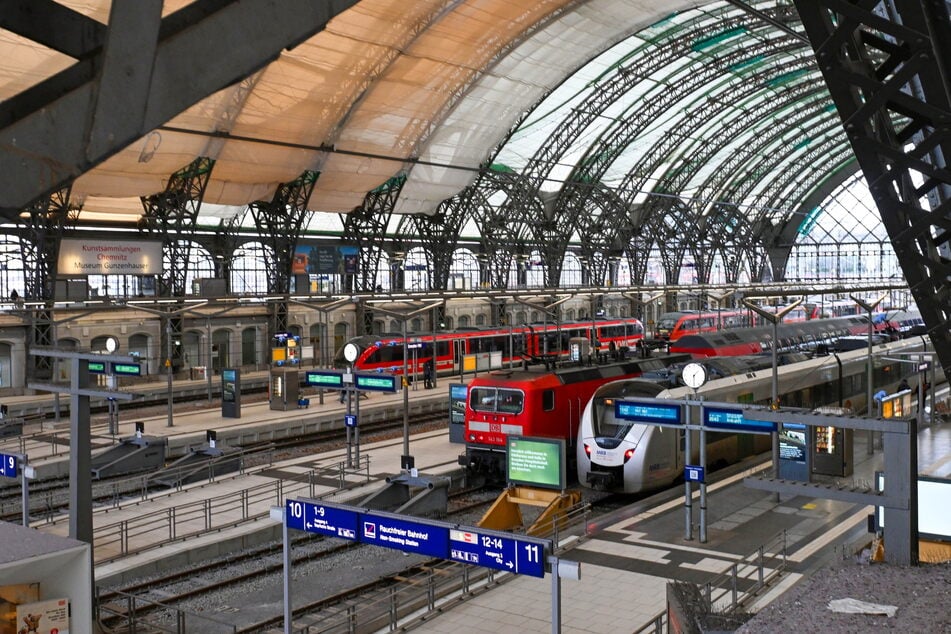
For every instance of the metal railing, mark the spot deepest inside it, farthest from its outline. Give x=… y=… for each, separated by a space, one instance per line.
x=439 y=585
x=723 y=592
x=125 y=615
x=191 y=519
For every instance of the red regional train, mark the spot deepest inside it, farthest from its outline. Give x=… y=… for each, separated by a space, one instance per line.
x=384 y=353
x=537 y=402
x=672 y=326
x=810 y=335
x=546 y=403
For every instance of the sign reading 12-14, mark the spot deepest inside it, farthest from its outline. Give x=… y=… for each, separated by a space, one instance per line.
x=519 y=554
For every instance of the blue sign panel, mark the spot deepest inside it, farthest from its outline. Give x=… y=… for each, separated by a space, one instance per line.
x=647 y=412
x=350 y=420
x=728 y=418
x=401 y=534
x=501 y=552
x=693 y=473
x=8 y=468
x=323 y=519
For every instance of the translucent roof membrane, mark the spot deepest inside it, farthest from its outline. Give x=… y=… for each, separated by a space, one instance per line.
x=433 y=89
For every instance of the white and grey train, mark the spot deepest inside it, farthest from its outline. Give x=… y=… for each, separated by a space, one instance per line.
x=625 y=457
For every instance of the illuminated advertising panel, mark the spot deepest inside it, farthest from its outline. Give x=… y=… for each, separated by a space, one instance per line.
x=536 y=462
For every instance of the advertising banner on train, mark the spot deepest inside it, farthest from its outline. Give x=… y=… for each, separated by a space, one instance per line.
x=89 y=256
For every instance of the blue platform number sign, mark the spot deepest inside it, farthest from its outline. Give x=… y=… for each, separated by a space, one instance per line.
x=693 y=473
x=321 y=519
x=350 y=420
x=491 y=550
x=8 y=468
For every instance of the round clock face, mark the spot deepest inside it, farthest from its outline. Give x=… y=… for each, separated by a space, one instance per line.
x=694 y=375
x=112 y=344
x=351 y=352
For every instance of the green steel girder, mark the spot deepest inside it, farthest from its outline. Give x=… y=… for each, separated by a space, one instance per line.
x=173 y=215
x=280 y=223
x=366 y=227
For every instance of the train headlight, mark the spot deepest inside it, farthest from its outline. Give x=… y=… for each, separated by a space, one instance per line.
x=587 y=450
x=628 y=455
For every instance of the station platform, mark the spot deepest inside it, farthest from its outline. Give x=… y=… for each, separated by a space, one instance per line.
x=627 y=560
x=47 y=443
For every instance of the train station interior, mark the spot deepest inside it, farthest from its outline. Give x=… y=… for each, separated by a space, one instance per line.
x=191 y=185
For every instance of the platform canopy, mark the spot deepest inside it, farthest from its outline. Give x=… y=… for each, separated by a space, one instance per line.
x=425 y=90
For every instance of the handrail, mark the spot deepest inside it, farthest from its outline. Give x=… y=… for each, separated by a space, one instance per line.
x=194 y=518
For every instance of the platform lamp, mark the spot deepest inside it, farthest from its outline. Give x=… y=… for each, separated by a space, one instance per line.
x=406 y=461
x=869 y=308
x=774 y=318
x=719 y=300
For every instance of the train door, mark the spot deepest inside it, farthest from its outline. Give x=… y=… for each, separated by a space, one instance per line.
x=458 y=351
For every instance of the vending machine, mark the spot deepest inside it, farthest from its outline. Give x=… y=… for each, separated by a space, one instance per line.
x=832 y=451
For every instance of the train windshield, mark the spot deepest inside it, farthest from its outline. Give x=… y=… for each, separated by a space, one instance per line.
x=606 y=425
x=492 y=399
x=668 y=323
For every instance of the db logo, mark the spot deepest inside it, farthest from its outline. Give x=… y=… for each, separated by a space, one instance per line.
x=495 y=428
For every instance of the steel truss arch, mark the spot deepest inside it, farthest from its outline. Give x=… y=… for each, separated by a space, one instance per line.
x=888 y=73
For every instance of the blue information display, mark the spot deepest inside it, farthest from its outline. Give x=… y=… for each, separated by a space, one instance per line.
x=728 y=418
x=647 y=412
x=491 y=549
x=494 y=550
x=350 y=420
x=693 y=473
x=323 y=519
x=8 y=465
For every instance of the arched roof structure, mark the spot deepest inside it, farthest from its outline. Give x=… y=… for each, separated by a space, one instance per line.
x=693 y=128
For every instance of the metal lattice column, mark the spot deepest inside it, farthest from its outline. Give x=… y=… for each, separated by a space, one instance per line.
x=279 y=222
x=47 y=221
x=173 y=215
x=366 y=226
x=889 y=77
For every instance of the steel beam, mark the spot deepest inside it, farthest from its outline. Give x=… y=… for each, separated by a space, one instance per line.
x=61 y=128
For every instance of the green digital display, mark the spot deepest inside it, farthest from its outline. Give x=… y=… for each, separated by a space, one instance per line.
x=536 y=462
x=377 y=382
x=97 y=367
x=324 y=379
x=127 y=369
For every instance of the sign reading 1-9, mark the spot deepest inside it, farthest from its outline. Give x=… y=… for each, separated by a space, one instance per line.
x=8 y=465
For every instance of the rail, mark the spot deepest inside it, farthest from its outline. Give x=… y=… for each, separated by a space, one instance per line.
x=191 y=519
x=162 y=618
x=723 y=592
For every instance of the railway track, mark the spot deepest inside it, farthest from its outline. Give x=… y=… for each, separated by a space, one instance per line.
x=50 y=498
x=153 y=600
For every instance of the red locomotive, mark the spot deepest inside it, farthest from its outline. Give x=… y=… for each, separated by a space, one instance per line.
x=539 y=403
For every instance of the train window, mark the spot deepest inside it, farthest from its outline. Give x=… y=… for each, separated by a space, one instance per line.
x=490 y=399
x=511 y=401
x=483 y=399
x=548 y=400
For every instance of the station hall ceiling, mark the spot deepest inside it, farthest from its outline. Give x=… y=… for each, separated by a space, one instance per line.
x=114 y=100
